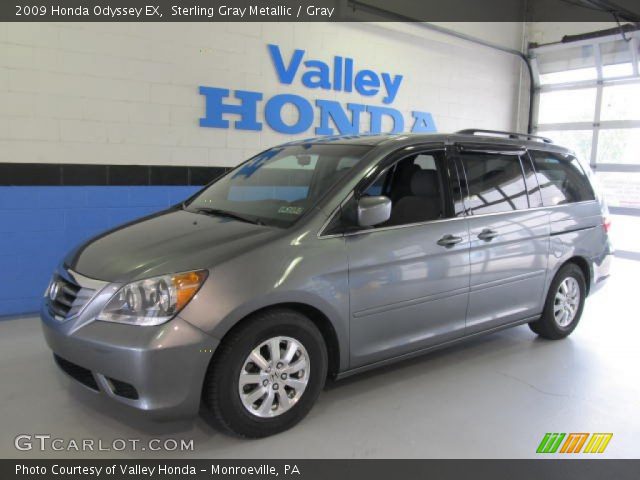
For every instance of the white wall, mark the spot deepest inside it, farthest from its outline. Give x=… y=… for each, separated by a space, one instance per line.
x=126 y=93
x=506 y=34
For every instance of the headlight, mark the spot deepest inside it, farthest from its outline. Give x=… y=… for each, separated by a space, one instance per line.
x=154 y=300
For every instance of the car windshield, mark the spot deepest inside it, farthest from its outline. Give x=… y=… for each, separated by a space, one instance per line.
x=279 y=185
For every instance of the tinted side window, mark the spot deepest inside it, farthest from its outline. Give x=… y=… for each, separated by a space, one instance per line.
x=416 y=190
x=378 y=187
x=561 y=179
x=495 y=183
x=415 y=187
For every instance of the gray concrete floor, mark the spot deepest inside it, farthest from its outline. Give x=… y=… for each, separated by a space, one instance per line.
x=493 y=397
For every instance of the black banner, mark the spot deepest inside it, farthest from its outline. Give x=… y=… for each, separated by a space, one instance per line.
x=322 y=469
x=201 y=469
x=318 y=10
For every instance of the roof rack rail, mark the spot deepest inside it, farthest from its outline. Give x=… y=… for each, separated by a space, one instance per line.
x=514 y=135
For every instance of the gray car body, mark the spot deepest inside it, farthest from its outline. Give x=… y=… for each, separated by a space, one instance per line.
x=378 y=295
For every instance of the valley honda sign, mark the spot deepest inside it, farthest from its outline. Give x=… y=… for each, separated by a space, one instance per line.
x=341 y=76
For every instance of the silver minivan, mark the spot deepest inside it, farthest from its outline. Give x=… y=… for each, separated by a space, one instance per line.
x=327 y=257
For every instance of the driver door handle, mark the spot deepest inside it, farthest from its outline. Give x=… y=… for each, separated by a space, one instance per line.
x=487 y=235
x=449 y=241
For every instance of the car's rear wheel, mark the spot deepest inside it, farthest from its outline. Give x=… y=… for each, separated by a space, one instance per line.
x=266 y=374
x=564 y=304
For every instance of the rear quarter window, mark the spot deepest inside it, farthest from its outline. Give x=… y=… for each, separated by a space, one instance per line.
x=561 y=179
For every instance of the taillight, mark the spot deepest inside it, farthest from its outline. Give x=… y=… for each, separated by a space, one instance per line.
x=606 y=224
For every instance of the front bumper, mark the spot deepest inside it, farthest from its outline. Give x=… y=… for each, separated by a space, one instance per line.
x=165 y=364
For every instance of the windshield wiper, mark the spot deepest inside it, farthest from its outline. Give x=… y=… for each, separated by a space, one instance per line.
x=225 y=213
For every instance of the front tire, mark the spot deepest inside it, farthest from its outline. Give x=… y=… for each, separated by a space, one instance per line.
x=266 y=374
x=564 y=304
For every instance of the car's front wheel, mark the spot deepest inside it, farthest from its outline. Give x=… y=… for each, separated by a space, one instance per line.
x=266 y=374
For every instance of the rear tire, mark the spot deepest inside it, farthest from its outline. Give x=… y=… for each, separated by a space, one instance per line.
x=564 y=304
x=253 y=393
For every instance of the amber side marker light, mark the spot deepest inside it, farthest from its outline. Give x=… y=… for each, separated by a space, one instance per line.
x=187 y=285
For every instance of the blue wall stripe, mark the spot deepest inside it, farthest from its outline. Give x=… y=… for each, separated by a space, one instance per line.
x=38 y=225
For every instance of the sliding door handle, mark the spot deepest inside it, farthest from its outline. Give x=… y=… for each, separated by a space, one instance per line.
x=487 y=235
x=449 y=241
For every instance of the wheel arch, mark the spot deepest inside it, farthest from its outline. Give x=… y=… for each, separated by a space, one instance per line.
x=584 y=265
x=319 y=319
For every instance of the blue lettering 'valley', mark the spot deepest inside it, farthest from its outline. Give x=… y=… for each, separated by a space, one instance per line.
x=342 y=75
x=318 y=74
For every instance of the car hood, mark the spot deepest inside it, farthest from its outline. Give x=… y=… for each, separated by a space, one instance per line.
x=168 y=242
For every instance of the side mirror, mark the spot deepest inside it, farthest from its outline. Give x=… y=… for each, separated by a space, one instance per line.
x=373 y=210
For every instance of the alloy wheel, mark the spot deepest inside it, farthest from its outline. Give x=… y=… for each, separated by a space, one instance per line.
x=274 y=376
x=566 y=302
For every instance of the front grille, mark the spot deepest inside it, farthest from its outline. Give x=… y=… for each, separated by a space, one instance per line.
x=77 y=372
x=123 y=389
x=68 y=298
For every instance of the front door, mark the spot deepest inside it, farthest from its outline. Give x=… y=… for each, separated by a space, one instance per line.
x=409 y=277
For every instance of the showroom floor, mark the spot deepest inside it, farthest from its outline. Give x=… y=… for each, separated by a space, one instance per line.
x=491 y=397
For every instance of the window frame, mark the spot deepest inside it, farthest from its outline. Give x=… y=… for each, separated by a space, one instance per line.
x=491 y=149
x=571 y=158
x=379 y=168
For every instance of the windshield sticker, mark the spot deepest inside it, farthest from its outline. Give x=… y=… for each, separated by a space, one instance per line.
x=291 y=210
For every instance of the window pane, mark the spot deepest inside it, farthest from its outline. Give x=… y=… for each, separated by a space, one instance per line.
x=620 y=189
x=618 y=70
x=406 y=168
x=567 y=106
x=621 y=102
x=561 y=179
x=567 y=65
x=616 y=59
x=577 y=140
x=415 y=191
x=425 y=162
x=619 y=146
x=568 y=76
x=495 y=183
x=376 y=188
x=279 y=185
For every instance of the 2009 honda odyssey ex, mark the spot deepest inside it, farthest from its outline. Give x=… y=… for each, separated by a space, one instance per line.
x=328 y=257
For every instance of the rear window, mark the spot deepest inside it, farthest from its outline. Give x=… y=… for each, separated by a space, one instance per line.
x=561 y=179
